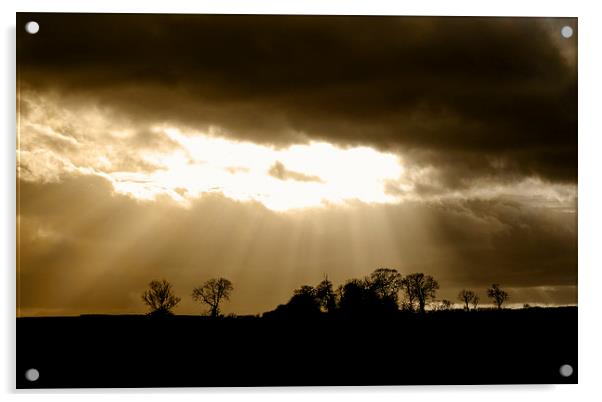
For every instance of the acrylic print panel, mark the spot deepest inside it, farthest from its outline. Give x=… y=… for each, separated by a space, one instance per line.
x=251 y=200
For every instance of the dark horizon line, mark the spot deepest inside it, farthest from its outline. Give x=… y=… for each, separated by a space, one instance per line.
x=260 y=315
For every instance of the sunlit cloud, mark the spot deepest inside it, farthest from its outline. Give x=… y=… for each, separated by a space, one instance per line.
x=161 y=160
x=307 y=175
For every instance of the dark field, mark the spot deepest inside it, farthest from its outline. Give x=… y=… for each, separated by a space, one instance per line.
x=453 y=347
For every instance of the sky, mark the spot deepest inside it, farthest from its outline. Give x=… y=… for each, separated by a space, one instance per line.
x=275 y=150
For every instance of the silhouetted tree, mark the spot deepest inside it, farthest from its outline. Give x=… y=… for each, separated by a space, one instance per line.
x=303 y=304
x=354 y=297
x=160 y=298
x=212 y=293
x=420 y=287
x=410 y=297
x=498 y=295
x=358 y=298
x=326 y=296
x=385 y=282
x=466 y=297
x=475 y=302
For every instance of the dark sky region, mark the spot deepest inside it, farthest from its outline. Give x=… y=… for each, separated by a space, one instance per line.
x=272 y=150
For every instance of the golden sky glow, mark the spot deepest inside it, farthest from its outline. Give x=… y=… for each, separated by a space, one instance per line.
x=276 y=159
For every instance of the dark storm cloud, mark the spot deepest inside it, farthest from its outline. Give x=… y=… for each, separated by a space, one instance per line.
x=472 y=96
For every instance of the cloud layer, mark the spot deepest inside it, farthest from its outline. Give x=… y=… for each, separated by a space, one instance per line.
x=480 y=96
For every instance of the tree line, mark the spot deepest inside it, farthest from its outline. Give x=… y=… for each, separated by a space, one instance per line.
x=376 y=294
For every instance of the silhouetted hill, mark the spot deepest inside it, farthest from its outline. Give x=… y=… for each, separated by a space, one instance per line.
x=447 y=347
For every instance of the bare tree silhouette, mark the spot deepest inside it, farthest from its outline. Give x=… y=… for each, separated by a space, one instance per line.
x=467 y=297
x=160 y=298
x=498 y=295
x=212 y=293
x=420 y=287
x=475 y=302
